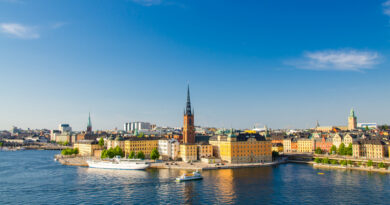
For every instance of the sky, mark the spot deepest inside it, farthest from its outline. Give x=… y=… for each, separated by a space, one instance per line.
x=284 y=64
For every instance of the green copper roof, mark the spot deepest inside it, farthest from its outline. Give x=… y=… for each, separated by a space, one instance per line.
x=352 y=113
x=89 y=120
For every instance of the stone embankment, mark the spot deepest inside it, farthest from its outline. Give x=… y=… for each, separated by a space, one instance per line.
x=71 y=160
x=205 y=166
x=362 y=168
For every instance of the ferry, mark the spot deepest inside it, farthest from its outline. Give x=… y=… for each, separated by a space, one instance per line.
x=188 y=177
x=118 y=163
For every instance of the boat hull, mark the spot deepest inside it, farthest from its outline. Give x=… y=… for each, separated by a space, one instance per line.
x=122 y=166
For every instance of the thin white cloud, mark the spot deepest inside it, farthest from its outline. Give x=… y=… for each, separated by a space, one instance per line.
x=19 y=30
x=58 y=25
x=386 y=7
x=342 y=60
x=148 y=2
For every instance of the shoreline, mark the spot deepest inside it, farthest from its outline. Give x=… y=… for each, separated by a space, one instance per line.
x=329 y=166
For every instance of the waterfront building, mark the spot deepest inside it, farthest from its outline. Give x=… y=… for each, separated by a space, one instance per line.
x=337 y=139
x=325 y=144
x=369 y=148
x=294 y=145
x=349 y=139
x=87 y=147
x=277 y=147
x=352 y=121
x=188 y=152
x=204 y=150
x=243 y=148
x=287 y=145
x=144 y=144
x=305 y=145
x=115 y=141
x=169 y=148
x=369 y=125
x=89 y=125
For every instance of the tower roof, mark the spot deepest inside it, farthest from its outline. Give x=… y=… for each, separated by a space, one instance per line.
x=352 y=113
x=89 y=120
x=188 y=104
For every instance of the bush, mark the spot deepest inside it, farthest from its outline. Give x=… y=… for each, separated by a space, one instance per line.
x=349 y=162
x=360 y=163
x=343 y=162
x=154 y=154
x=140 y=155
x=325 y=161
x=318 y=150
x=381 y=165
x=69 y=151
x=317 y=160
x=1 y=144
x=333 y=161
x=369 y=163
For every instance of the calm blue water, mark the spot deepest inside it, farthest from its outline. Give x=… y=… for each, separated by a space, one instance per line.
x=32 y=177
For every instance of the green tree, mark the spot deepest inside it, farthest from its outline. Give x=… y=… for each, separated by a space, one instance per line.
x=369 y=163
x=118 y=151
x=111 y=153
x=154 y=154
x=341 y=150
x=317 y=160
x=325 y=161
x=381 y=165
x=76 y=150
x=367 y=128
x=318 y=150
x=1 y=144
x=349 y=162
x=333 y=161
x=69 y=151
x=140 y=155
x=101 y=142
x=360 y=163
x=348 y=150
x=132 y=155
x=343 y=162
x=333 y=149
x=104 y=154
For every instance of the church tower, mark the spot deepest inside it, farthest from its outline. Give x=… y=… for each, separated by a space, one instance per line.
x=352 y=122
x=89 y=126
x=188 y=126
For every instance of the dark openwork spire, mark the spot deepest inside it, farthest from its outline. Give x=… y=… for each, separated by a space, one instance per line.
x=188 y=105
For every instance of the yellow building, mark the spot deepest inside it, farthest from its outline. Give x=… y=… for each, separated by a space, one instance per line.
x=205 y=150
x=87 y=147
x=188 y=152
x=244 y=148
x=371 y=149
x=144 y=144
x=277 y=147
x=305 y=145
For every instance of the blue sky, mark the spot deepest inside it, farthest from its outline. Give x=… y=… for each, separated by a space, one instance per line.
x=284 y=64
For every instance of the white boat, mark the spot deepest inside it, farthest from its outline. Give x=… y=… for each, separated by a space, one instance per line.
x=188 y=177
x=117 y=163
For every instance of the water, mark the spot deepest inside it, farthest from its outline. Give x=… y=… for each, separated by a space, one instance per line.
x=32 y=177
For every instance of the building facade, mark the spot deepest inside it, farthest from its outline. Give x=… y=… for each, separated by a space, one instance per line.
x=168 y=148
x=144 y=144
x=87 y=147
x=352 y=120
x=305 y=145
x=188 y=152
x=371 y=149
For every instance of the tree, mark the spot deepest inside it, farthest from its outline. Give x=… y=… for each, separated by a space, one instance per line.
x=318 y=150
x=111 y=153
x=118 y=151
x=1 y=144
x=140 y=135
x=367 y=128
x=333 y=149
x=369 y=163
x=325 y=161
x=76 y=150
x=348 y=150
x=381 y=165
x=317 y=160
x=69 y=151
x=343 y=162
x=154 y=154
x=101 y=142
x=349 y=162
x=104 y=154
x=140 y=155
x=360 y=163
x=333 y=161
x=341 y=150
x=132 y=155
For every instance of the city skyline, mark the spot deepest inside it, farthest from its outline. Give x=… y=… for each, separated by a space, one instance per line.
x=248 y=63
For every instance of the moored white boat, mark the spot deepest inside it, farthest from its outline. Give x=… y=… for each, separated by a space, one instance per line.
x=188 y=177
x=117 y=163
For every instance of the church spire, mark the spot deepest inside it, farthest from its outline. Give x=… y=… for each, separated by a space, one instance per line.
x=352 y=113
x=89 y=126
x=188 y=105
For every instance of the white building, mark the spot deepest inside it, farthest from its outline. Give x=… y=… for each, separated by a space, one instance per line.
x=370 y=125
x=131 y=126
x=169 y=148
x=64 y=128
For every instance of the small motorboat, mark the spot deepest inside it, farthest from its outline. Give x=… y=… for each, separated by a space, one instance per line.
x=188 y=177
x=320 y=173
